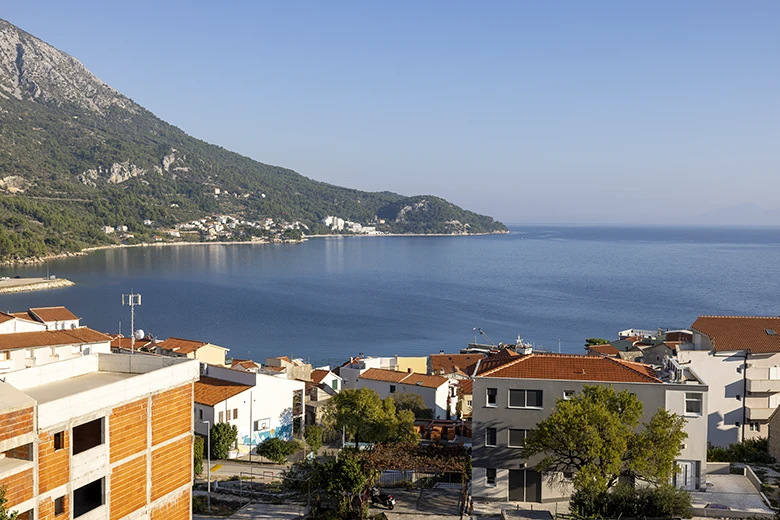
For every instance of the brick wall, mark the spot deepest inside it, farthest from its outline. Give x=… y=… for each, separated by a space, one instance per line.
x=172 y=413
x=16 y=423
x=128 y=487
x=178 y=509
x=23 y=452
x=127 y=429
x=46 y=509
x=53 y=470
x=18 y=487
x=171 y=467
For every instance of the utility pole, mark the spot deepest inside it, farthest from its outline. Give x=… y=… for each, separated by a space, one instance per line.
x=131 y=300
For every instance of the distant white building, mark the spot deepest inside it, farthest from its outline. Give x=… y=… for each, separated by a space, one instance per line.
x=434 y=390
x=334 y=223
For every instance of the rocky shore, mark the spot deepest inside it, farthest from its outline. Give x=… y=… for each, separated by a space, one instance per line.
x=17 y=285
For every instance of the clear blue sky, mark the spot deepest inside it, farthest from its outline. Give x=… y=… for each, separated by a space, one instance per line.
x=529 y=111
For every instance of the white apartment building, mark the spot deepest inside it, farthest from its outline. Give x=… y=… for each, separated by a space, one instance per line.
x=434 y=390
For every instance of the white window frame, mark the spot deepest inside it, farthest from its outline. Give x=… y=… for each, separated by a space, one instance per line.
x=568 y=395
x=525 y=400
x=755 y=427
x=488 y=404
x=509 y=437
x=694 y=397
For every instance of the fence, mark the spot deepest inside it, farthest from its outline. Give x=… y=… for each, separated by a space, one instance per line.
x=419 y=479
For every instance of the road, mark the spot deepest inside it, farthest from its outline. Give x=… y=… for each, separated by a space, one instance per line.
x=224 y=469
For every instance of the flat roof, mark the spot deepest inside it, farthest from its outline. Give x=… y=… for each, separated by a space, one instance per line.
x=74 y=385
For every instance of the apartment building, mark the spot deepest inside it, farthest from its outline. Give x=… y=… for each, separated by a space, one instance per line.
x=435 y=391
x=511 y=395
x=259 y=405
x=20 y=350
x=38 y=318
x=740 y=358
x=99 y=436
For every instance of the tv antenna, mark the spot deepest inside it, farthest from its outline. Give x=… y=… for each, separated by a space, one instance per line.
x=131 y=300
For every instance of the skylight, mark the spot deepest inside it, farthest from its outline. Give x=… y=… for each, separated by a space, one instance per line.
x=771 y=332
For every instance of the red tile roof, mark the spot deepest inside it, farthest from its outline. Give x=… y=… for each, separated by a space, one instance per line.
x=741 y=332
x=453 y=363
x=24 y=315
x=568 y=367
x=211 y=391
x=51 y=338
x=127 y=343
x=466 y=386
x=6 y=317
x=245 y=364
x=318 y=375
x=48 y=314
x=181 y=346
x=607 y=350
x=407 y=378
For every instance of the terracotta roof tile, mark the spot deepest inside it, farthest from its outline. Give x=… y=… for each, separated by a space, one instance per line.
x=24 y=315
x=181 y=346
x=51 y=338
x=466 y=386
x=453 y=363
x=318 y=375
x=245 y=364
x=127 y=343
x=47 y=314
x=741 y=332
x=211 y=391
x=5 y=317
x=607 y=350
x=407 y=378
x=568 y=367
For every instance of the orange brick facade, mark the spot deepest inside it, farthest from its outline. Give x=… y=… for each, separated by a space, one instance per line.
x=171 y=414
x=171 y=467
x=53 y=470
x=46 y=510
x=178 y=509
x=16 y=423
x=18 y=487
x=128 y=487
x=128 y=429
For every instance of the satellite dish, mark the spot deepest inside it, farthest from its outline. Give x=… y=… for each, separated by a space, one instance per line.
x=139 y=334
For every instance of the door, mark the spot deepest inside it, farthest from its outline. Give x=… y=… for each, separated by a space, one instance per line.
x=684 y=477
x=525 y=485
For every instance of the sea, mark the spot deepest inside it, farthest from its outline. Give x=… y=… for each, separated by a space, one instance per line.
x=327 y=299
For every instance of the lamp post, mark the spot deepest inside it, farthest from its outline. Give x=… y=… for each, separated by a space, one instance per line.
x=208 y=463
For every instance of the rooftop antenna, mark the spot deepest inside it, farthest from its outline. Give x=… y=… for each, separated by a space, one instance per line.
x=482 y=333
x=131 y=300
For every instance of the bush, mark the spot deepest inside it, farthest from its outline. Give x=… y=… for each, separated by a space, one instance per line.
x=223 y=436
x=277 y=450
x=313 y=437
x=197 y=454
x=750 y=451
x=626 y=501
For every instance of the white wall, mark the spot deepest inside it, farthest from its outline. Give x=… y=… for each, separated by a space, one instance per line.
x=434 y=398
x=17 y=325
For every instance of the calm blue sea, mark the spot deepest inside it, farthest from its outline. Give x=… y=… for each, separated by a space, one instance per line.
x=330 y=298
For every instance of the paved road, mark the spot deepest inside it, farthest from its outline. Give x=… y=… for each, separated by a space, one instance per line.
x=223 y=469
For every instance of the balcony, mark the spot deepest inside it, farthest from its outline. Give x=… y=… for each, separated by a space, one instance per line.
x=766 y=386
x=758 y=414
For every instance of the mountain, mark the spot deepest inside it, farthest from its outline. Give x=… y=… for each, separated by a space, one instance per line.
x=77 y=155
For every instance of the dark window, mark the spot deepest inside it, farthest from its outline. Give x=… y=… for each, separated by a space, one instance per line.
x=200 y=414
x=492 y=396
x=59 y=505
x=517 y=438
x=235 y=413
x=87 y=436
x=490 y=474
x=59 y=440
x=490 y=437
x=525 y=398
x=86 y=498
x=392 y=389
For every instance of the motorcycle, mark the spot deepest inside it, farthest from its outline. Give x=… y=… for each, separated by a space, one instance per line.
x=384 y=499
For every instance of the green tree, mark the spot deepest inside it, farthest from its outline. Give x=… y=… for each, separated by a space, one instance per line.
x=597 y=436
x=223 y=437
x=364 y=416
x=5 y=514
x=197 y=454
x=314 y=436
x=341 y=480
x=596 y=341
x=414 y=403
x=277 y=450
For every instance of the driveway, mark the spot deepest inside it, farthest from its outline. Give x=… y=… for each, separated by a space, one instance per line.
x=262 y=511
x=734 y=491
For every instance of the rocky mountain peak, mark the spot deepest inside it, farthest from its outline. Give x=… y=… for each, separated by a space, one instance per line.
x=32 y=70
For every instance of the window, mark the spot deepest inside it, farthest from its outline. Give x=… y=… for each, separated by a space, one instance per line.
x=5 y=355
x=221 y=417
x=490 y=476
x=525 y=398
x=517 y=438
x=568 y=395
x=86 y=498
x=235 y=413
x=755 y=427
x=392 y=389
x=200 y=414
x=59 y=440
x=59 y=505
x=88 y=435
x=335 y=384
x=468 y=402
x=492 y=396
x=693 y=404
x=490 y=437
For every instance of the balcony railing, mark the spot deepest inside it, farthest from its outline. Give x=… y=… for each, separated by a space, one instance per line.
x=759 y=414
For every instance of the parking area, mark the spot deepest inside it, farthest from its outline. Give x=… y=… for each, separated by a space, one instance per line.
x=734 y=491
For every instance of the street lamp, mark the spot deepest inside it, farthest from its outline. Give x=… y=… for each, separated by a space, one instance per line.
x=208 y=463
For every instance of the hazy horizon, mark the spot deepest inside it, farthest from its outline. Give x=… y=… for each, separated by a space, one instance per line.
x=535 y=113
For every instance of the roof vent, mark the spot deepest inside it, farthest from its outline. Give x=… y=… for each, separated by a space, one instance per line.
x=771 y=332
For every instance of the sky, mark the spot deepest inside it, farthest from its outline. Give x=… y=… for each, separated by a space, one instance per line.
x=554 y=112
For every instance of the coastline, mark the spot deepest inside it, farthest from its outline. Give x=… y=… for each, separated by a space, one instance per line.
x=40 y=284
x=87 y=250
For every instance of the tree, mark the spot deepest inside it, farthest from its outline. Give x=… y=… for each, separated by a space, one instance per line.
x=277 y=450
x=364 y=416
x=5 y=514
x=596 y=341
x=223 y=436
x=414 y=403
x=342 y=480
x=313 y=436
x=596 y=436
x=197 y=454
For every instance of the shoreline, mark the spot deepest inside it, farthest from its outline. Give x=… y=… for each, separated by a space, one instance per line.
x=39 y=284
x=87 y=250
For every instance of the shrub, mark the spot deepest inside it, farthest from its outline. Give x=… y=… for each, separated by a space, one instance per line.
x=277 y=450
x=223 y=436
x=750 y=451
x=626 y=501
x=313 y=437
x=197 y=454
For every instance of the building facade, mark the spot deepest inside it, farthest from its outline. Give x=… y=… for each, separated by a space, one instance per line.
x=434 y=390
